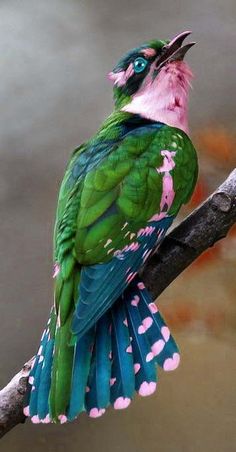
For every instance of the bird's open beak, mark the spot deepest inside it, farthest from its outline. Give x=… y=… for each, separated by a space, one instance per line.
x=174 y=51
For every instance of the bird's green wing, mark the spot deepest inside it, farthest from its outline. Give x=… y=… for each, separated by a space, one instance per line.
x=115 y=199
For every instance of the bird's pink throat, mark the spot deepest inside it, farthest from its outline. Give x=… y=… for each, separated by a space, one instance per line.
x=165 y=97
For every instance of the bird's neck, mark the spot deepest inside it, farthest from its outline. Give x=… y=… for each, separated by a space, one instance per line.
x=165 y=98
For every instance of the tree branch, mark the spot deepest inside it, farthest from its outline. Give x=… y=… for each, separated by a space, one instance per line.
x=210 y=222
x=200 y=230
x=11 y=400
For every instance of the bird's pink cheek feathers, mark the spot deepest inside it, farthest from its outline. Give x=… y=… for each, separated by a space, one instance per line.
x=120 y=78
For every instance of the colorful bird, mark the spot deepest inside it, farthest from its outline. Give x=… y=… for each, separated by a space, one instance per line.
x=121 y=192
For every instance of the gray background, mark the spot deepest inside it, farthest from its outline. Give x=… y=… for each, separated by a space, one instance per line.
x=54 y=56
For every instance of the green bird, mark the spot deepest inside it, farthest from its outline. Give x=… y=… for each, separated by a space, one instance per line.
x=121 y=192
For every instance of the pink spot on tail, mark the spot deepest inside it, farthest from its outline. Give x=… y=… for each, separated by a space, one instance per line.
x=149 y=357
x=136 y=368
x=87 y=389
x=153 y=308
x=141 y=329
x=129 y=349
x=46 y=420
x=125 y=322
x=141 y=286
x=62 y=418
x=147 y=323
x=130 y=277
x=165 y=333
x=33 y=363
x=31 y=379
x=147 y=389
x=171 y=363
x=26 y=411
x=95 y=412
x=146 y=255
x=110 y=355
x=135 y=300
x=121 y=403
x=157 y=347
x=112 y=381
x=35 y=419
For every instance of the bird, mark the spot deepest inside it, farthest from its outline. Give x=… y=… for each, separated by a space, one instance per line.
x=105 y=338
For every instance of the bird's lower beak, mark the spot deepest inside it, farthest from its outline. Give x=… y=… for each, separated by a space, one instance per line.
x=174 y=50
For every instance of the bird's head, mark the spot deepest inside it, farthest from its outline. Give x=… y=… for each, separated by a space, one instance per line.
x=153 y=80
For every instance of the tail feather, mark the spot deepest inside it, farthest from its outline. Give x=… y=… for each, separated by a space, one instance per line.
x=61 y=371
x=98 y=387
x=122 y=378
x=145 y=378
x=35 y=377
x=161 y=341
x=105 y=366
x=80 y=374
x=45 y=382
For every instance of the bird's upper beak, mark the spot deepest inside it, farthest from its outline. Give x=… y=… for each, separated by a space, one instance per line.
x=174 y=50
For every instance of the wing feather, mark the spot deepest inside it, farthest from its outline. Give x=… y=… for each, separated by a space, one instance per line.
x=111 y=191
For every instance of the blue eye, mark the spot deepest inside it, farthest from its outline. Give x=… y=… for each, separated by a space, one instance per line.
x=140 y=64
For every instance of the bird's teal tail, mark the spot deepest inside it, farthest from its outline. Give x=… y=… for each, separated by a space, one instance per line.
x=106 y=366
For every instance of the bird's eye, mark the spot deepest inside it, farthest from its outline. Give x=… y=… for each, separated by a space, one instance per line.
x=140 y=64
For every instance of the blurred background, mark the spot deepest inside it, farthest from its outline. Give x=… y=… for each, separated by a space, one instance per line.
x=54 y=57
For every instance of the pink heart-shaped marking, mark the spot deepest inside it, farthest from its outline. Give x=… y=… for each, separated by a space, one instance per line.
x=147 y=389
x=165 y=333
x=153 y=308
x=171 y=363
x=121 y=403
x=95 y=412
x=35 y=419
x=136 y=368
x=141 y=286
x=31 y=380
x=135 y=300
x=141 y=329
x=149 y=357
x=147 y=322
x=26 y=411
x=46 y=420
x=157 y=347
x=62 y=418
x=112 y=381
